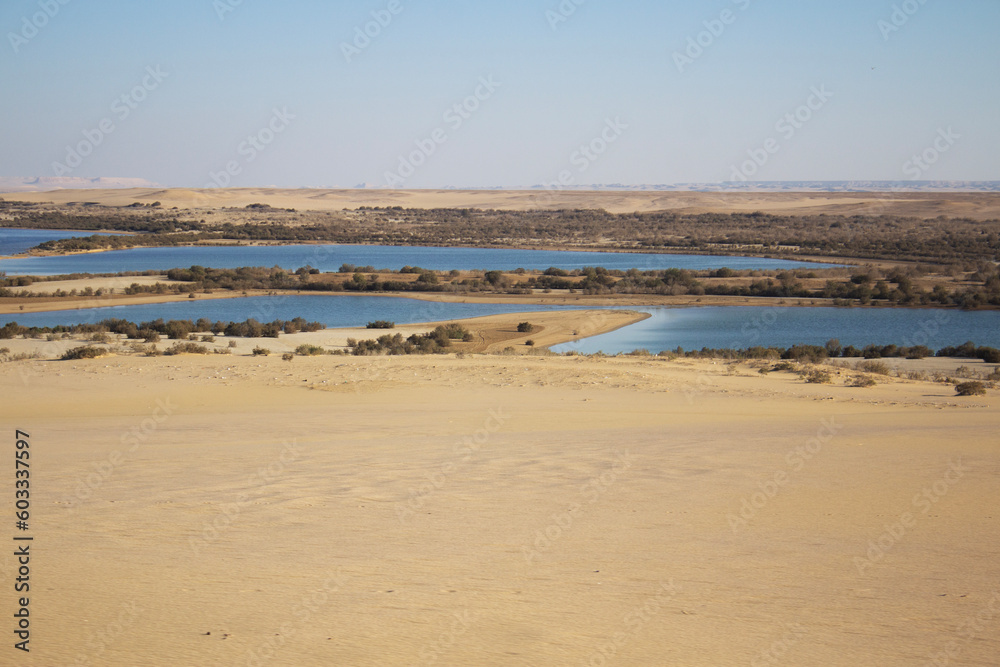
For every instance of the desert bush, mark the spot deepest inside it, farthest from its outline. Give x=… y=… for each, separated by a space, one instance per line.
x=863 y=381
x=185 y=348
x=784 y=366
x=525 y=327
x=381 y=324
x=287 y=356
x=971 y=389
x=306 y=350
x=261 y=351
x=529 y=343
x=208 y=338
x=873 y=366
x=100 y=337
x=232 y=343
x=84 y=352
x=819 y=377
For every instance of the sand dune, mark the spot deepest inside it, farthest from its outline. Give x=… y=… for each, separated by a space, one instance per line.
x=926 y=205
x=493 y=510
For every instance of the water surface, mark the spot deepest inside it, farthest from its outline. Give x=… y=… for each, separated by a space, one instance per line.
x=331 y=257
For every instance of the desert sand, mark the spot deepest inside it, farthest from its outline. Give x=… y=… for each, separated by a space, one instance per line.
x=980 y=206
x=501 y=510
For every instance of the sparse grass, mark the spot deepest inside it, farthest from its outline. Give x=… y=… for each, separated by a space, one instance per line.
x=863 y=381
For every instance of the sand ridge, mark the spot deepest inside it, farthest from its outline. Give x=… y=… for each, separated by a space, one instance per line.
x=981 y=206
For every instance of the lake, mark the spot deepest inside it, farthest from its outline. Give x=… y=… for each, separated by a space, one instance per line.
x=739 y=327
x=666 y=329
x=333 y=311
x=331 y=257
x=14 y=241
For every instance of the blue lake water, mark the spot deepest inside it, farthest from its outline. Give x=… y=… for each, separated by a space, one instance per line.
x=666 y=329
x=13 y=241
x=331 y=257
x=333 y=311
x=739 y=327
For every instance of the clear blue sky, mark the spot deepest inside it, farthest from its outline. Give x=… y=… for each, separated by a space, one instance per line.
x=930 y=87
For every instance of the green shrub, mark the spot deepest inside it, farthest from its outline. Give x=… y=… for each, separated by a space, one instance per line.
x=971 y=389
x=84 y=352
x=525 y=327
x=529 y=343
x=381 y=324
x=306 y=350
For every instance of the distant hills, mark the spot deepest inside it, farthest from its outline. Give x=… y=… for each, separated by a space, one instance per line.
x=47 y=183
x=800 y=186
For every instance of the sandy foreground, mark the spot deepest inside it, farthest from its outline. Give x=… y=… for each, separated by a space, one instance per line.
x=499 y=510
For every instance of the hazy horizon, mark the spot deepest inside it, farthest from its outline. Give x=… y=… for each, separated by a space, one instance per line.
x=393 y=94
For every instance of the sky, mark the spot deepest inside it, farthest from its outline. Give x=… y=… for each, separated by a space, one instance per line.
x=451 y=93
